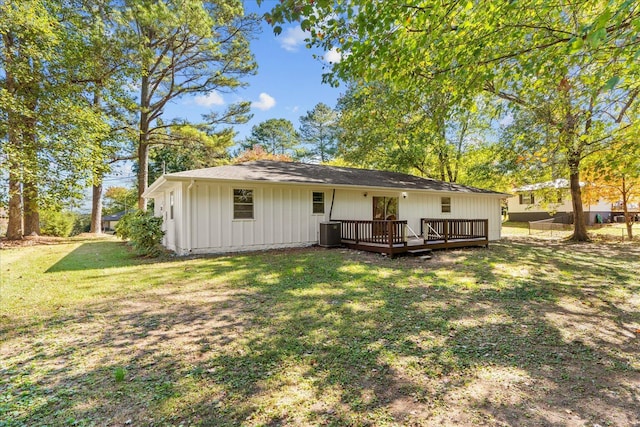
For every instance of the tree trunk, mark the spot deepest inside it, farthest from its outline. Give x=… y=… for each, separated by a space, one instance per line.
x=29 y=175
x=628 y=219
x=143 y=142
x=31 y=210
x=579 y=224
x=14 y=228
x=143 y=173
x=96 y=190
x=13 y=148
x=96 y=207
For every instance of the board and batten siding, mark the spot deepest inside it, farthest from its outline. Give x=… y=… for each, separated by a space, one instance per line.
x=354 y=205
x=173 y=228
x=283 y=217
x=283 y=214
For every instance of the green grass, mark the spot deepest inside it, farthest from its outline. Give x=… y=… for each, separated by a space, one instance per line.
x=615 y=231
x=522 y=333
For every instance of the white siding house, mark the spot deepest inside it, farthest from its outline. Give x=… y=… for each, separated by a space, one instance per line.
x=551 y=199
x=263 y=205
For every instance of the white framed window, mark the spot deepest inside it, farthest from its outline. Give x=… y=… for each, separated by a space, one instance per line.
x=526 y=199
x=242 y=203
x=318 y=202
x=445 y=204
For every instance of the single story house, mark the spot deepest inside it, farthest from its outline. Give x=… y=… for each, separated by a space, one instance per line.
x=267 y=204
x=109 y=222
x=551 y=199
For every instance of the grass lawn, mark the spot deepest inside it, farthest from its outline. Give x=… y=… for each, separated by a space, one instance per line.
x=611 y=232
x=525 y=333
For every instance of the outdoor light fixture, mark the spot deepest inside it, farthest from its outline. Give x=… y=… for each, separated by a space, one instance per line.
x=404 y=194
x=365 y=194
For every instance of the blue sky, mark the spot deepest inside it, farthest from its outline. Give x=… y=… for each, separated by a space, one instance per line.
x=287 y=85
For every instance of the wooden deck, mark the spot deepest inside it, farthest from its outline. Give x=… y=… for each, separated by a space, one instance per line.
x=391 y=237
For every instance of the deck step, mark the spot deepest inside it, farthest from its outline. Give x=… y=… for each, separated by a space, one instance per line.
x=419 y=252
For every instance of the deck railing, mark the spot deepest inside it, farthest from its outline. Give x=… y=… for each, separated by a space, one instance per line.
x=376 y=231
x=453 y=229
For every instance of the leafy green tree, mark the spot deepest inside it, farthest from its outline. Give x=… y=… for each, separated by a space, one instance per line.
x=275 y=136
x=258 y=153
x=49 y=129
x=573 y=66
x=118 y=199
x=406 y=131
x=318 y=132
x=189 y=148
x=103 y=77
x=186 y=47
x=615 y=177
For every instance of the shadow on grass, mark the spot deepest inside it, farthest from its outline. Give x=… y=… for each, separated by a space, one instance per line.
x=320 y=337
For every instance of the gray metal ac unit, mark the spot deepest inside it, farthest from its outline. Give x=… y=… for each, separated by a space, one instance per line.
x=330 y=234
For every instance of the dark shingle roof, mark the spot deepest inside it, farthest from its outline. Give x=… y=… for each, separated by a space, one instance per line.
x=302 y=173
x=114 y=217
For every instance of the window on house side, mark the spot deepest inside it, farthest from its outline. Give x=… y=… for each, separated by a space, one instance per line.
x=318 y=202
x=445 y=203
x=242 y=204
x=526 y=199
x=171 y=205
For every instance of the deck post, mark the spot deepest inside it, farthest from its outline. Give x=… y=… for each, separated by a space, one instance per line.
x=445 y=229
x=486 y=229
x=357 y=236
x=390 y=230
x=404 y=234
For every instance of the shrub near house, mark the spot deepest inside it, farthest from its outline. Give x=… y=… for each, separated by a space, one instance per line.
x=143 y=231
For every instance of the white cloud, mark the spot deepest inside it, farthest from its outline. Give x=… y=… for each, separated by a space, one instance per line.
x=293 y=38
x=333 y=56
x=264 y=103
x=212 y=98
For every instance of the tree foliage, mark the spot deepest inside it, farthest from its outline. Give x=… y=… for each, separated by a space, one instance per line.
x=572 y=66
x=259 y=153
x=189 y=147
x=615 y=177
x=185 y=47
x=275 y=136
x=49 y=129
x=118 y=199
x=318 y=132
x=407 y=131
x=57 y=223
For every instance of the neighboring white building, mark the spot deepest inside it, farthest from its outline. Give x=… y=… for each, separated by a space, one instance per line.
x=264 y=204
x=551 y=199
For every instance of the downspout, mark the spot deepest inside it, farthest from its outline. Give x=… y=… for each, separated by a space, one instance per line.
x=188 y=227
x=333 y=197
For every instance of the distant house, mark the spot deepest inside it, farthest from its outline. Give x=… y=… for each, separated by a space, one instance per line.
x=109 y=222
x=551 y=199
x=266 y=204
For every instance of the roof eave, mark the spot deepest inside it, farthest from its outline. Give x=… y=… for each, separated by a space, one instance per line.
x=153 y=188
x=175 y=178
